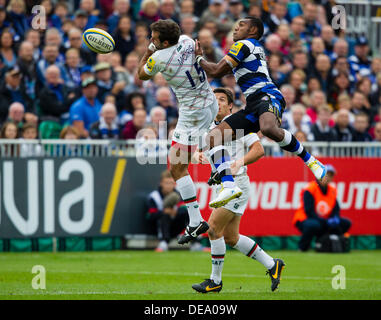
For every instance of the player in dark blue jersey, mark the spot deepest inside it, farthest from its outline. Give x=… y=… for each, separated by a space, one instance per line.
x=264 y=104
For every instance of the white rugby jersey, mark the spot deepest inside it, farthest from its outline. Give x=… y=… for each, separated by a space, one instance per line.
x=187 y=79
x=238 y=148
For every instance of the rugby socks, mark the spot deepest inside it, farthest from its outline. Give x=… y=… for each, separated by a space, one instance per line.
x=187 y=191
x=251 y=249
x=221 y=160
x=217 y=250
x=289 y=143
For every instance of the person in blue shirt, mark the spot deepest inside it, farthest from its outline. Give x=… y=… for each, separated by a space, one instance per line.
x=360 y=62
x=265 y=105
x=85 y=111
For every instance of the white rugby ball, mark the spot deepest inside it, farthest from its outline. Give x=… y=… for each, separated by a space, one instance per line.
x=98 y=40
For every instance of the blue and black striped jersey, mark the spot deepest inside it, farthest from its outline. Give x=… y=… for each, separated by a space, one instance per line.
x=251 y=73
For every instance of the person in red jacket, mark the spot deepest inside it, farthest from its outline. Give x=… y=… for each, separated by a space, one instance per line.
x=319 y=211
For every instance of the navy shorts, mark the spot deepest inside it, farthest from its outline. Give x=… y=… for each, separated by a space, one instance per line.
x=248 y=119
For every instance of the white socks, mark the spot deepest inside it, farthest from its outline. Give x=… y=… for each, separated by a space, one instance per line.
x=217 y=250
x=249 y=248
x=187 y=191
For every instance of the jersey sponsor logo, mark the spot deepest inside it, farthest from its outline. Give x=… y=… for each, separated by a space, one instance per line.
x=236 y=206
x=234 y=50
x=150 y=64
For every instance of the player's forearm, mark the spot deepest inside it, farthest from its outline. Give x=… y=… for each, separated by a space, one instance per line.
x=143 y=61
x=254 y=154
x=210 y=68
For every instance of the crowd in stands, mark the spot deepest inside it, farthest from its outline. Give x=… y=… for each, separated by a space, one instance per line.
x=52 y=86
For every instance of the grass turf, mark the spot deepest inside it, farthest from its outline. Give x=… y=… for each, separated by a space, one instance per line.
x=148 y=275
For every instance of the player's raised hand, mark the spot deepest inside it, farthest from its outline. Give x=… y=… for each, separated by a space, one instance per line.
x=198 y=50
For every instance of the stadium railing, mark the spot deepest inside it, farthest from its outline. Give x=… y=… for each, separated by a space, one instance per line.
x=136 y=148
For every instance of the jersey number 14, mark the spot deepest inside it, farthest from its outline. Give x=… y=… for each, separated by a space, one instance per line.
x=200 y=72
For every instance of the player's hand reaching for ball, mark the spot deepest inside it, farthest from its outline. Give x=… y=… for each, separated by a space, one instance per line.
x=198 y=49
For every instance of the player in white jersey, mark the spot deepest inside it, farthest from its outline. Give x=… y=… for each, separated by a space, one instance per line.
x=224 y=221
x=173 y=56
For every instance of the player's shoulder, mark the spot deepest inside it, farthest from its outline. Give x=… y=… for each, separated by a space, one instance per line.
x=185 y=38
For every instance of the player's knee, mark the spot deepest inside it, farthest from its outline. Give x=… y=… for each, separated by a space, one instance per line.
x=213 y=233
x=231 y=240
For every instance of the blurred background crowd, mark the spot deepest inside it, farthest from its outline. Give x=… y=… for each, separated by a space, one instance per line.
x=52 y=86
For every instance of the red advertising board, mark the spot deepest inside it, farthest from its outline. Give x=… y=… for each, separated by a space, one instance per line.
x=276 y=185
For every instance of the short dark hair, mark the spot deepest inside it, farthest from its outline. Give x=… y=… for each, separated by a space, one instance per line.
x=168 y=30
x=256 y=22
x=227 y=92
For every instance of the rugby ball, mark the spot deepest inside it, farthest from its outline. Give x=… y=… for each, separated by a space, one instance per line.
x=98 y=40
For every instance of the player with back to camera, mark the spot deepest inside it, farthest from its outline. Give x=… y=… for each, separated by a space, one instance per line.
x=224 y=222
x=173 y=55
x=264 y=102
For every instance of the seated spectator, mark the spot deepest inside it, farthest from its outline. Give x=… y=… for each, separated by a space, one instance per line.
x=273 y=44
x=167 y=10
x=50 y=54
x=297 y=120
x=344 y=102
x=312 y=26
x=121 y=7
x=288 y=93
x=319 y=211
x=283 y=32
x=149 y=12
x=124 y=36
x=85 y=111
x=297 y=81
x=313 y=84
x=7 y=54
x=17 y=17
x=277 y=16
x=75 y=41
x=13 y=90
x=211 y=53
x=321 y=129
x=343 y=129
x=72 y=68
x=360 y=61
x=107 y=127
x=9 y=131
x=134 y=101
x=33 y=36
x=30 y=132
x=360 y=103
x=70 y=150
x=55 y=98
x=164 y=99
x=361 y=126
x=274 y=63
x=132 y=127
x=188 y=25
x=166 y=216
x=377 y=132
x=322 y=71
x=317 y=47
x=158 y=120
x=341 y=85
x=16 y=114
x=317 y=99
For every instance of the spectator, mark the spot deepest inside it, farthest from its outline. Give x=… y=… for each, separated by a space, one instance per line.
x=50 y=54
x=164 y=99
x=157 y=120
x=340 y=49
x=361 y=126
x=85 y=111
x=186 y=8
x=341 y=85
x=61 y=13
x=167 y=10
x=124 y=37
x=273 y=44
x=107 y=127
x=137 y=123
x=343 y=129
x=53 y=37
x=75 y=41
x=81 y=19
x=166 y=217
x=274 y=63
x=318 y=98
x=13 y=90
x=319 y=211
x=29 y=132
x=188 y=25
x=321 y=130
x=360 y=103
x=322 y=71
x=215 y=13
x=68 y=149
x=211 y=53
x=317 y=48
x=360 y=62
x=131 y=64
x=55 y=98
x=9 y=131
x=277 y=16
x=7 y=54
x=236 y=10
x=344 y=102
x=16 y=14
x=16 y=114
x=33 y=36
x=149 y=12
x=297 y=81
x=121 y=8
x=72 y=70
x=289 y=95
x=312 y=26
x=329 y=38
x=297 y=28
x=297 y=120
x=377 y=132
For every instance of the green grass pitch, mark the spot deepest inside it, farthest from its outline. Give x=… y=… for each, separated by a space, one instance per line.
x=149 y=275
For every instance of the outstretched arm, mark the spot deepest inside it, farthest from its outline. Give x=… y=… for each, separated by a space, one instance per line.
x=141 y=73
x=215 y=70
